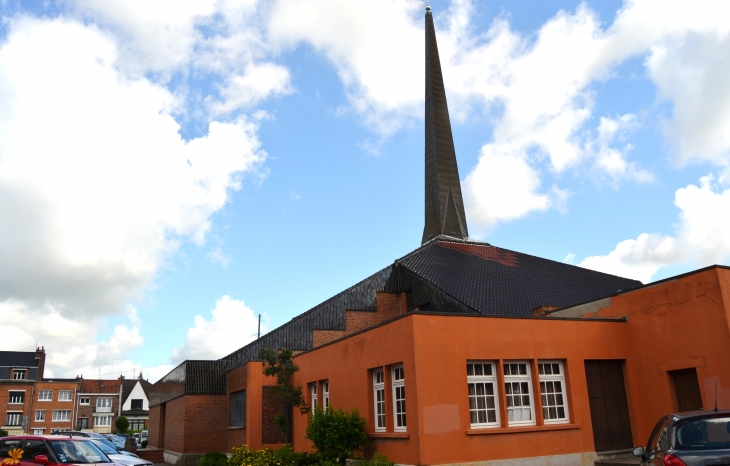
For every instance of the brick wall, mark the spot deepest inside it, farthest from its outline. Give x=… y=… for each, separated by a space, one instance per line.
x=271 y=405
x=237 y=378
x=174 y=425
x=23 y=408
x=389 y=305
x=235 y=438
x=206 y=423
x=53 y=405
x=153 y=432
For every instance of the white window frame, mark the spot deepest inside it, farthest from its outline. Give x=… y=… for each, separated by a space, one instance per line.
x=20 y=374
x=40 y=415
x=38 y=431
x=45 y=395
x=16 y=400
x=480 y=377
x=313 y=396
x=325 y=395
x=85 y=401
x=103 y=405
x=61 y=415
x=553 y=400
x=379 y=401
x=106 y=423
x=65 y=395
x=398 y=382
x=15 y=415
x=521 y=381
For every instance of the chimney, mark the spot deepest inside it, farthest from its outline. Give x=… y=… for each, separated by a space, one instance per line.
x=40 y=355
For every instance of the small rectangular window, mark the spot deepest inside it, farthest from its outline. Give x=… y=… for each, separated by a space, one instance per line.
x=61 y=415
x=326 y=395
x=16 y=398
x=38 y=431
x=102 y=421
x=65 y=395
x=399 y=399
x=379 y=399
x=20 y=374
x=238 y=408
x=14 y=419
x=84 y=401
x=552 y=392
x=481 y=380
x=138 y=404
x=45 y=395
x=518 y=392
x=40 y=415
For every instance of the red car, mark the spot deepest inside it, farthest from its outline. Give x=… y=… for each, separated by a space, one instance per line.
x=32 y=450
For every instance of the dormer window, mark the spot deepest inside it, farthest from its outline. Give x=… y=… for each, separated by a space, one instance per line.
x=20 y=374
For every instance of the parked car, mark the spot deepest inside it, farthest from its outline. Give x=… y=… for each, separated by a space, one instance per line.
x=116 y=440
x=689 y=439
x=126 y=460
x=32 y=450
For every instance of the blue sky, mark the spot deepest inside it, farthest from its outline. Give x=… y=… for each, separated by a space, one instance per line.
x=171 y=170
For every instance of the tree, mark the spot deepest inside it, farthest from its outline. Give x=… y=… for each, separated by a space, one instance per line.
x=140 y=375
x=336 y=434
x=122 y=424
x=281 y=365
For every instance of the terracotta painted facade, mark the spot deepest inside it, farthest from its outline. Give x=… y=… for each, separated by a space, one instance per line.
x=651 y=334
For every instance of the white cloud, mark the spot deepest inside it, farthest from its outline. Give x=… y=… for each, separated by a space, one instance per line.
x=612 y=162
x=255 y=84
x=217 y=256
x=232 y=325
x=97 y=188
x=701 y=238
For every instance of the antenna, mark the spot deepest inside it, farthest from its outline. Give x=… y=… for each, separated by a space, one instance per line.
x=715 y=396
x=259 y=327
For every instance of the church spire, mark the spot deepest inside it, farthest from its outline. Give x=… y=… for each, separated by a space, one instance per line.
x=444 y=205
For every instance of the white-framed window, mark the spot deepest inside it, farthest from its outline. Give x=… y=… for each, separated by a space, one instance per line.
x=481 y=378
x=14 y=419
x=84 y=400
x=518 y=393
x=61 y=415
x=552 y=392
x=65 y=395
x=103 y=405
x=20 y=374
x=45 y=395
x=326 y=395
x=16 y=398
x=399 y=398
x=40 y=415
x=38 y=431
x=313 y=396
x=102 y=421
x=379 y=399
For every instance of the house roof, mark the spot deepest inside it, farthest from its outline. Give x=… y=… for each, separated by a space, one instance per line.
x=129 y=384
x=495 y=281
x=100 y=385
x=18 y=358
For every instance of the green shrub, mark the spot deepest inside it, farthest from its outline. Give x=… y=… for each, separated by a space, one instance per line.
x=378 y=459
x=336 y=434
x=3 y=433
x=122 y=424
x=144 y=443
x=213 y=458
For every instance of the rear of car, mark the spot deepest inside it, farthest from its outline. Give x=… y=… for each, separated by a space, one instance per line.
x=689 y=439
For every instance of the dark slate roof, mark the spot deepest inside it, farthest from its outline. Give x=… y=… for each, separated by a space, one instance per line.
x=18 y=359
x=190 y=378
x=495 y=281
x=100 y=385
x=129 y=384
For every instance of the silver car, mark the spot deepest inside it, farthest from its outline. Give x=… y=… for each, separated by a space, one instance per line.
x=118 y=458
x=689 y=439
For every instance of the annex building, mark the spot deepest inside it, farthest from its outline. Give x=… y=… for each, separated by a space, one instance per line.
x=464 y=352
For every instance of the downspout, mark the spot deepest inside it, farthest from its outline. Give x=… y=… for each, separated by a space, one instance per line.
x=31 y=418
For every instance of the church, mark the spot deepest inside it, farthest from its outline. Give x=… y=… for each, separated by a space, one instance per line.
x=463 y=352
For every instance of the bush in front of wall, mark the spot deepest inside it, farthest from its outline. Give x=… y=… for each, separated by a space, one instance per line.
x=378 y=459
x=337 y=434
x=213 y=458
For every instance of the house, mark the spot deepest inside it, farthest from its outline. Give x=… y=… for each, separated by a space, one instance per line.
x=135 y=404
x=464 y=352
x=34 y=404
x=99 y=405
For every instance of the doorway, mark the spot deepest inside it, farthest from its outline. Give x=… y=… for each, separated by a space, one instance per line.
x=687 y=389
x=609 y=408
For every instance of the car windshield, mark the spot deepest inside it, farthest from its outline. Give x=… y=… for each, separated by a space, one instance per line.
x=710 y=433
x=104 y=447
x=77 y=452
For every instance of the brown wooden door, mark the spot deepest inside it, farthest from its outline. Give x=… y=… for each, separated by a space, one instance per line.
x=687 y=389
x=609 y=408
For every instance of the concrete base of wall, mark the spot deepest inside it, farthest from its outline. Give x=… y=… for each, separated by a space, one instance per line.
x=576 y=459
x=178 y=459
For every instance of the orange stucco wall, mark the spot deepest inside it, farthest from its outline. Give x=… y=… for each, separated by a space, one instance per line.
x=677 y=324
x=434 y=350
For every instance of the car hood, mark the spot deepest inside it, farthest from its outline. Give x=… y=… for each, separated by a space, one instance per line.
x=128 y=460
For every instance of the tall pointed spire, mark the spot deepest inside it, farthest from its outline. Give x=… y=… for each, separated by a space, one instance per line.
x=444 y=205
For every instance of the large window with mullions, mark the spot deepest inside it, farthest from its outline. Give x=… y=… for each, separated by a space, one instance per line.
x=481 y=378
x=552 y=392
x=518 y=393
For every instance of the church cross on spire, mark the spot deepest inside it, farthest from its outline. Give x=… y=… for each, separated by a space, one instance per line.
x=445 y=214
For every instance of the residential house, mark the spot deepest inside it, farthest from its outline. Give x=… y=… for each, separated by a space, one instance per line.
x=135 y=404
x=99 y=405
x=53 y=405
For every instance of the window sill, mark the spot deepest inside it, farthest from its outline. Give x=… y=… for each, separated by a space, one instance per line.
x=236 y=427
x=403 y=435
x=517 y=430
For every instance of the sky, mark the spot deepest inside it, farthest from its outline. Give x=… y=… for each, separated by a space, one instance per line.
x=172 y=170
